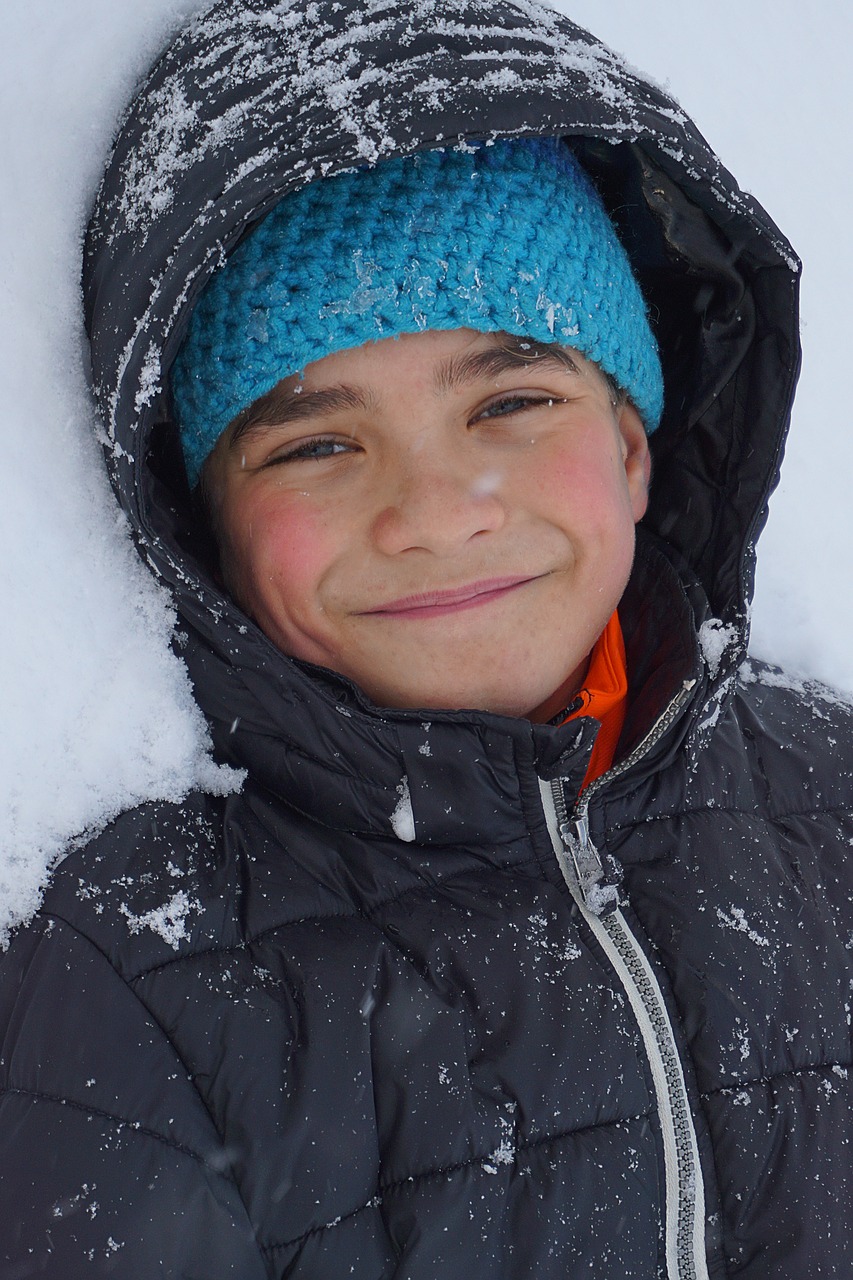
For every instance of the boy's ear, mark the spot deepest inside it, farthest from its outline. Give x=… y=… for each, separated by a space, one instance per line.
x=636 y=457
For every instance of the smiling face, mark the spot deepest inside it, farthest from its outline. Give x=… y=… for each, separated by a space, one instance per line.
x=446 y=518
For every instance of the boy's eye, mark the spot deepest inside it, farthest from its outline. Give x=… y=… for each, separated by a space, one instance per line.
x=317 y=448
x=517 y=404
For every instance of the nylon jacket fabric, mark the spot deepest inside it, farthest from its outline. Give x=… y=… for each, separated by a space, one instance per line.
x=348 y=1021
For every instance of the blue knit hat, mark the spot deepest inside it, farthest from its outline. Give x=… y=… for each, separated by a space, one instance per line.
x=507 y=236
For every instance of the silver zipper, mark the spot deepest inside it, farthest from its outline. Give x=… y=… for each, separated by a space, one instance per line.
x=584 y=873
x=667 y=718
x=588 y=870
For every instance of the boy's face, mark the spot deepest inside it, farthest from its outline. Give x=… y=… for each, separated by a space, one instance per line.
x=446 y=518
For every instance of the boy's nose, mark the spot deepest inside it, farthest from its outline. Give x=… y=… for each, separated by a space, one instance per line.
x=439 y=507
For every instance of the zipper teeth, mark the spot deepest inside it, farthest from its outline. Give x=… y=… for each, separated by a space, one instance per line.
x=658 y=729
x=686 y=1173
x=684 y=1206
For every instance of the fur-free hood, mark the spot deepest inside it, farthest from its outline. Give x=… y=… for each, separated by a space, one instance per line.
x=257 y=97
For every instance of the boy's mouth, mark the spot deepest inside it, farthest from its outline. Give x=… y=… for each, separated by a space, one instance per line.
x=431 y=604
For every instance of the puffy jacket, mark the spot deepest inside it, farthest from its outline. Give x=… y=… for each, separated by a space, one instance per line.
x=405 y=1006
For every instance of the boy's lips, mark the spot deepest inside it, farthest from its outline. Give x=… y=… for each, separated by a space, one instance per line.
x=433 y=603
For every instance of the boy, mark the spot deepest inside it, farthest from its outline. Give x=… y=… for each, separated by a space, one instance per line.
x=523 y=950
x=345 y=497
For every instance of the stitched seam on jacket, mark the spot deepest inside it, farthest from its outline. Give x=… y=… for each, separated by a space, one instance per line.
x=363 y=833
x=355 y=914
x=761 y=1081
x=121 y=1121
x=766 y=819
x=390 y=1188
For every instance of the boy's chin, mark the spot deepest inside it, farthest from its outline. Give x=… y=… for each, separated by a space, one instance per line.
x=521 y=701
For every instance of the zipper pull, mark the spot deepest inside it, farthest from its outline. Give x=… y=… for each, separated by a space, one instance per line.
x=579 y=859
x=598 y=897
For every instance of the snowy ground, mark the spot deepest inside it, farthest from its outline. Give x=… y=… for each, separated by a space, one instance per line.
x=96 y=713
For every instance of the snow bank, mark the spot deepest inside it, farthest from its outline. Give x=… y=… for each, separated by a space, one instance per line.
x=96 y=712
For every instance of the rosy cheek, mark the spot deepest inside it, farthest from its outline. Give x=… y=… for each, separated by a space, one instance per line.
x=300 y=544
x=281 y=552
x=574 y=481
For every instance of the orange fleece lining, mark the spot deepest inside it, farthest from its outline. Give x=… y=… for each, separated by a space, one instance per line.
x=604 y=695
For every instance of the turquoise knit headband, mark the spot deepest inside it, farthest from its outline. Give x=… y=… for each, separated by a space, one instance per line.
x=510 y=236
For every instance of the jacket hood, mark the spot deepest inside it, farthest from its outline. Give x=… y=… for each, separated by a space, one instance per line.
x=257 y=97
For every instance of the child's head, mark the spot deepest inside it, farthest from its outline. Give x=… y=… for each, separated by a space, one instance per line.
x=401 y=391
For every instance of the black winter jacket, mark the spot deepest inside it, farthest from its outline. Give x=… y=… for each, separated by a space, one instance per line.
x=375 y=1014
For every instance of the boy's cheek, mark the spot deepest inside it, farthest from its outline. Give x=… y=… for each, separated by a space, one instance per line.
x=579 y=495
x=281 y=557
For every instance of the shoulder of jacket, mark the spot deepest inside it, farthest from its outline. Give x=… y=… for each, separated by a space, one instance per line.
x=779 y=698
x=155 y=883
x=801 y=734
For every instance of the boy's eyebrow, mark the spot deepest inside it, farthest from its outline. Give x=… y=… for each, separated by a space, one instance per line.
x=508 y=355
x=285 y=405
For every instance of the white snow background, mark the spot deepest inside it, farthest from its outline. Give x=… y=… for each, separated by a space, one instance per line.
x=95 y=713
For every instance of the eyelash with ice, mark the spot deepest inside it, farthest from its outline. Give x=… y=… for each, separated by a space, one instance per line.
x=515 y=404
x=317 y=448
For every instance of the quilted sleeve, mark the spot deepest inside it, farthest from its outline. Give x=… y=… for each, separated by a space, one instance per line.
x=109 y=1162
